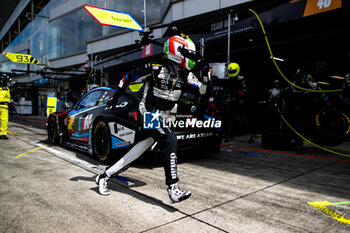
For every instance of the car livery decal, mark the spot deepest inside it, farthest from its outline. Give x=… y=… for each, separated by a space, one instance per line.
x=121 y=136
x=80 y=137
x=117 y=143
x=194 y=135
x=81 y=147
x=84 y=123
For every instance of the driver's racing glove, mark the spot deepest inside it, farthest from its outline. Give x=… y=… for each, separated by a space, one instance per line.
x=203 y=68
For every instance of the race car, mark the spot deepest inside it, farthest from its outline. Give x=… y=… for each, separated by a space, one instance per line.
x=104 y=132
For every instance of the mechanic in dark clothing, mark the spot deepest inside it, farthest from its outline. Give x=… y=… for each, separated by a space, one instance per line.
x=69 y=97
x=233 y=100
x=164 y=82
x=302 y=104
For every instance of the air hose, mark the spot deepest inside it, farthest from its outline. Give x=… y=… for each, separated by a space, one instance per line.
x=296 y=86
x=310 y=142
x=276 y=65
x=334 y=148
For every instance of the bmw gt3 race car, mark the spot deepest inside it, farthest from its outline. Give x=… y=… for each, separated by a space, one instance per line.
x=92 y=127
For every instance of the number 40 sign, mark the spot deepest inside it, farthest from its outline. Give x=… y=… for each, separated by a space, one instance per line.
x=318 y=6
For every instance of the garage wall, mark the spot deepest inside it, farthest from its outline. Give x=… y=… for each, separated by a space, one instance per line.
x=189 y=8
x=179 y=10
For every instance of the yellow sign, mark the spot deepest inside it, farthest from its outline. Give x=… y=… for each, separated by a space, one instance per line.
x=21 y=58
x=318 y=6
x=113 y=18
x=321 y=205
x=51 y=105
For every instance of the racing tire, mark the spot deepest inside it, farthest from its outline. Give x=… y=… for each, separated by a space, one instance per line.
x=52 y=132
x=101 y=141
x=330 y=127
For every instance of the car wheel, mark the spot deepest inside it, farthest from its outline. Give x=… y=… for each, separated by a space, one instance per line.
x=101 y=141
x=52 y=131
x=331 y=127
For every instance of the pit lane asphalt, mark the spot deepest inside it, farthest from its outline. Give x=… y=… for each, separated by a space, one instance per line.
x=243 y=189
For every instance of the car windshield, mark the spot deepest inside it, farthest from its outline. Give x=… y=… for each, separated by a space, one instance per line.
x=104 y=97
x=90 y=100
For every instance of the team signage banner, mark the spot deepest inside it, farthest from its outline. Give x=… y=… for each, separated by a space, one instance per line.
x=113 y=18
x=21 y=58
x=318 y=6
x=51 y=105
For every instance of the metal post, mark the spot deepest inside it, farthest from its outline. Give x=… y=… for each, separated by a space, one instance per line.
x=102 y=77
x=32 y=10
x=19 y=26
x=229 y=39
x=95 y=62
x=202 y=45
x=145 y=13
x=201 y=50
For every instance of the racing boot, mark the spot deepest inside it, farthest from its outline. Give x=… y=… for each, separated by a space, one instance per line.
x=176 y=194
x=101 y=181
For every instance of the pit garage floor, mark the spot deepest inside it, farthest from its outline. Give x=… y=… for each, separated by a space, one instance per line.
x=45 y=188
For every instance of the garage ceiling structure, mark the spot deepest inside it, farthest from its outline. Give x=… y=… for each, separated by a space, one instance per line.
x=13 y=21
x=5 y=12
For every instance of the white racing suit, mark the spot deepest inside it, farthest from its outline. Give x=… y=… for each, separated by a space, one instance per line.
x=164 y=82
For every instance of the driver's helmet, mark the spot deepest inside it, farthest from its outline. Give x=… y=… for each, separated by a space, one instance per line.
x=173 y=48
x=233 y=70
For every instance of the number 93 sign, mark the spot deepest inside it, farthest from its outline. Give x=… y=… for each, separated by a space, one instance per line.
x=21 y=58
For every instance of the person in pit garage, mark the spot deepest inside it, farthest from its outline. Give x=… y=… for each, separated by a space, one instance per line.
x=233 y=98
x=5 y=99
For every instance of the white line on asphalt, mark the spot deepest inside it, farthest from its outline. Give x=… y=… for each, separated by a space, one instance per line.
x=72 y=159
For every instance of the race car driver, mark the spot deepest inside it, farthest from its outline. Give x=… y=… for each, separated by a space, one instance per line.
x=164 y=82
x=4 y=109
